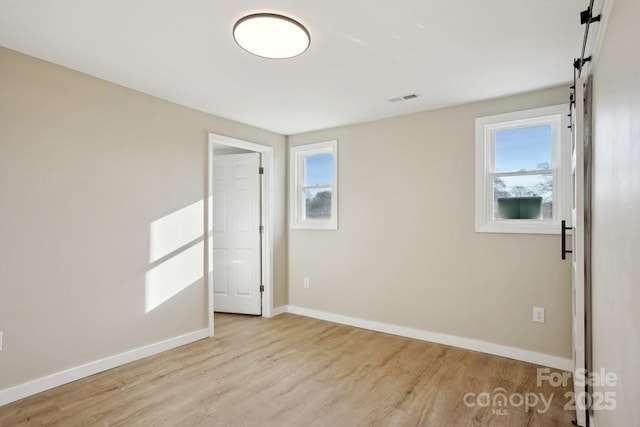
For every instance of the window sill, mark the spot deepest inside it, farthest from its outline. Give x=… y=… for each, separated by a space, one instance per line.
x=520 y=227
x=314 y=225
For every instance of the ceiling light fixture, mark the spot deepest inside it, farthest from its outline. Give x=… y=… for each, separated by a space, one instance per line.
x=271 y=36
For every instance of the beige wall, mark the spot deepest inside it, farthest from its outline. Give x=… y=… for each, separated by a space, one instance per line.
x=616 y=213
x=85 y=167
x=406 y=252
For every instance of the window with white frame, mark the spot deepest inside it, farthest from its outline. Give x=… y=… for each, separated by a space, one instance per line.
x=313 y=187
x=522 y=171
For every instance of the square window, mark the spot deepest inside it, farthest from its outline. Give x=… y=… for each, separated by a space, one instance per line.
x=313 y=186
x=521 y=171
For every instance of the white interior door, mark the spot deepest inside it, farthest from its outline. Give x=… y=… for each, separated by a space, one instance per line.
x=236 y=234
x=578 y=245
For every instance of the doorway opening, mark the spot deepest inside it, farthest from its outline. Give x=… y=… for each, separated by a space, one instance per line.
x=230 y=169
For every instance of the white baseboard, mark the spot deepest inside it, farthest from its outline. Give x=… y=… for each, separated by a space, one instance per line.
x=39 y=385
x=452 y=340
x=277 y=311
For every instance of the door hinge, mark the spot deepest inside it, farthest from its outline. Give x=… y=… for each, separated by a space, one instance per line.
x=261 y=229
x=261 y=170
x=261 y=288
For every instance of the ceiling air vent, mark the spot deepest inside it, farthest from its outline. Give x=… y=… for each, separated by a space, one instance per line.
x=404 y=98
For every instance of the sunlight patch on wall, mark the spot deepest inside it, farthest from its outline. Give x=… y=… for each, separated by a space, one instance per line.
x=176 y=253
x=175 y=230
x=173 y=276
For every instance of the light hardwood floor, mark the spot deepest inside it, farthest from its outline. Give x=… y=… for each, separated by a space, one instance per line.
x=296 y=371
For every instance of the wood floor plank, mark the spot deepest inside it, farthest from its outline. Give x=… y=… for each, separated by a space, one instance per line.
x=297 y=371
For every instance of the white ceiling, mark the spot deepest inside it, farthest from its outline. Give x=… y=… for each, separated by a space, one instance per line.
x=363 y=53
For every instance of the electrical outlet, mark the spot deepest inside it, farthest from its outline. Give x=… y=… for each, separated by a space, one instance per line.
x=306 y=283
x=538 y=314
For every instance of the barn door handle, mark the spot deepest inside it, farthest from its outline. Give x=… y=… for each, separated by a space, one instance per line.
x=564 y=239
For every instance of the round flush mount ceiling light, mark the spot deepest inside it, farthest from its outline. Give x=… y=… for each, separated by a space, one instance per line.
x=271 y=36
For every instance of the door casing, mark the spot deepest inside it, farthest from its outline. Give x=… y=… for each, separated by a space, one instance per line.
x=266 y=218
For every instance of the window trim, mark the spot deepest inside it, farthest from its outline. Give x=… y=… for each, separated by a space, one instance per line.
x=561 y=171
x=297 y=154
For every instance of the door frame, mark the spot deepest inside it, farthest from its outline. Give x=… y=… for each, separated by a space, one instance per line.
x=266 y=195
